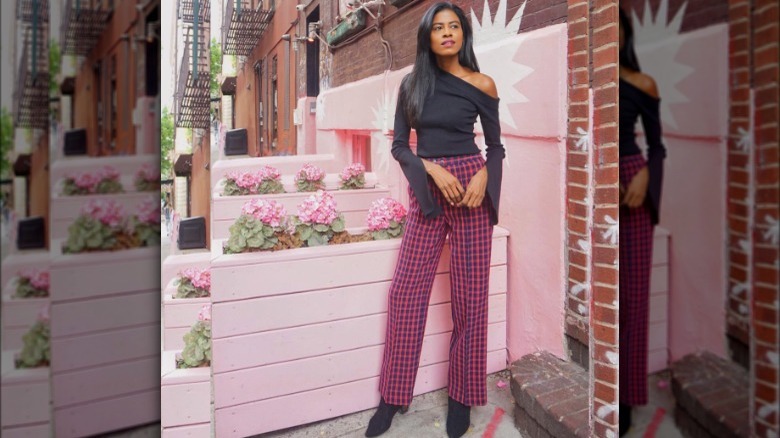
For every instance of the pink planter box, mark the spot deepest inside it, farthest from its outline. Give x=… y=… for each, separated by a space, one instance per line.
x=354 y=204
x=26 y=398
x=185 y=398
x=326 y=328
x=179 y=314
x=287 y=165
x=331 y=181
x=126 y=165
x=175 y=263
x=19 y=314
x=65 y=209
x=658 y=354
x=96 y=386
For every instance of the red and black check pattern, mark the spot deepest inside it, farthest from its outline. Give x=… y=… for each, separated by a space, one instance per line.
x=636 y=258
x=470 y=233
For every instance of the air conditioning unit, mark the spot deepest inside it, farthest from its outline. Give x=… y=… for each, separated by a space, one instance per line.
x=236 y=142
x=75 y=142
x=192 y=233
x=31 y=233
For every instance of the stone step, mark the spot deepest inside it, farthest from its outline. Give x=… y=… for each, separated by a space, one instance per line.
x=551 y=397
x=712 y=396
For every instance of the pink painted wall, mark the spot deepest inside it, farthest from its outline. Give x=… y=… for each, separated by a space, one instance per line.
x=532 y=86
x=692 y=76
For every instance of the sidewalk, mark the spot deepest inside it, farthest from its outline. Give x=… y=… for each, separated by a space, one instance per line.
x=656 y=418
x=426 y=418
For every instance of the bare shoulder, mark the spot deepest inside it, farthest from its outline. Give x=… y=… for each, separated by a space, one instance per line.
x=646 y=83
x=486 y=84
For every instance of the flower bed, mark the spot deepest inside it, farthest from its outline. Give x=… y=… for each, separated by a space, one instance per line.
x=326 y=326
x=26 y=398
x=66 y=209
x=103 y=226
x=101 y=181
x=147 y=178
x=287 y=165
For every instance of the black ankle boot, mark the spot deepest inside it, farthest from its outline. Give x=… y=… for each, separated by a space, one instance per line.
x=624 y=419
x=383 y=417
x=458 y=418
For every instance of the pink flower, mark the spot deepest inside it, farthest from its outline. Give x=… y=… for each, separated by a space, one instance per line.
x=108 y=173
x=352 y=171
x=310 y=173
x=268 y=212
x=319 y=208
x=107 y=211
x=149 y=211
x=245 y=180
x=205 y=313
x=383 y=211
x=85 y=180
x=38 y=278
x=268 y=173
x=148 y=172
x=199 y=278
x=43 y=313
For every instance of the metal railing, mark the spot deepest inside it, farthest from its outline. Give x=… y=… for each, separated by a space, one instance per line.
x=243 y=25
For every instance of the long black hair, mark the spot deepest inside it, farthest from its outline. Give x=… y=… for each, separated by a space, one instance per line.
x=419 y=84
x=627 y=54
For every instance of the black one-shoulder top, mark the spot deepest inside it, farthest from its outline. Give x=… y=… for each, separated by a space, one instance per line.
x=634 y=103
x=446 y=128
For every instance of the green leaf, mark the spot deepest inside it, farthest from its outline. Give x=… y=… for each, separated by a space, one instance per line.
x=338 y=224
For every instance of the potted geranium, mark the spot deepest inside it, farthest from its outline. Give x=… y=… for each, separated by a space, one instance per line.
x=269 y=181
x=193 y=283
x=36 y=351
x=105 y=180
x=317 y=220
x=147 y=178
x=32 y=283
x=238 y=183
x=310 y=178
x=261 y=226
x=145 y=224
x=99 y=227
x=353 y=177
x=386 y=218
x=197 y=343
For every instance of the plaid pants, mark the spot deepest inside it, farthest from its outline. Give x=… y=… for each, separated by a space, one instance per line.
x=636 y=258
x=470 y=234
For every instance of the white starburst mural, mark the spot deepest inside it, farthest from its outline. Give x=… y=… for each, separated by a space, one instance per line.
x=657 y=44
x=384 y=118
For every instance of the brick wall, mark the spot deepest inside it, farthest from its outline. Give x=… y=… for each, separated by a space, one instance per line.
x=764 y=328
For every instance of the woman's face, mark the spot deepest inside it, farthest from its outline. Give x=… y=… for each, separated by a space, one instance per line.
x=446 y=33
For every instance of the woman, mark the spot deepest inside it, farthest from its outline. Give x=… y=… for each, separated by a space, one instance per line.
x=453 y=191
x=640 y=182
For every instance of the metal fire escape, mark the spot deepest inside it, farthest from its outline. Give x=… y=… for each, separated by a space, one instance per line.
x=192 y=86
x=31 y=93
x=244 y=23
x=83 y=23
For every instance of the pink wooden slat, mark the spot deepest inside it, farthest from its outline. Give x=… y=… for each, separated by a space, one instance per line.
x=15 y=262
x=202 y=430
x=69 y=207
x=108 y=273
x=186 y=404
x=311 y=340
x=269 y=313
x=21 y=312
x=107 y=415
x=235 y=276
x=182 y=312
x=170 y=375
x=24 y=403
x=126 y=165
x=107 y=381
x=285 y=164
x=174 y=338
x=99 y=348
x=108 y=313
x=659 y=310
x=33 y=431
x=659 y=279
x=173 y=264
x=12 y=337
x=658 y=335
x=277 y=380
x=302 y=408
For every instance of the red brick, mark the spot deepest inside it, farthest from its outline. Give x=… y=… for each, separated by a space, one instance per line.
x=578 y=111
x=579 y=44
x=766 y=393
x=577 y=274
x=605 y=314
x=606 y=195
x=766 y=334
x=579 y=160
x=577 y=176
x=766 y=275
x=605 y=334
x=605 y=255
x=578 y=225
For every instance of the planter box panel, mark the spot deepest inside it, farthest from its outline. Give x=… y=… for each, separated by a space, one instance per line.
x=42 y=430
x=107 y=415
x=96 y=349
x=202 y=430
x=174 y=376
x=269 y=313
x=21 y=312
x=186 y=404
x=107 y=381
x=235 y=276
x=182 y=312
x=108 y=273
x=175 y=263
x=66 y=209
x=12 y=337
x=25 y=402
x=659 y=279
x=13 y=263
x=300 y=342
x=245 y=386
x=105 y=313
x=287 y=165
x=302 y=408
x=331 y=182
x=174 y=338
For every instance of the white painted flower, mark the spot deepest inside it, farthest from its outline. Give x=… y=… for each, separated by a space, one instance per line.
x=612 y=357
x=610 y=433
x=605 y=410
x=584 y=246
x=613 y=232
x=744 y=245
x=583 y=309
x=739 y=287
x=584 y=139
x=767 y=410
x=771 y=433
x=578 y=289
x=743 y=309
x=745 y=142
x=772 y=357
x=495 y=30
x=773 y=233
x=384 y=118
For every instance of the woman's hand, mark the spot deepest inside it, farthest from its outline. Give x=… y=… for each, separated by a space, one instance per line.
x=475 y=192
x=445 y=181
x=637 y=189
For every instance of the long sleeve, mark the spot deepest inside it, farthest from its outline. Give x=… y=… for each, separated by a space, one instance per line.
x=495 y=153
x=411 y=164
x=656 y=153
